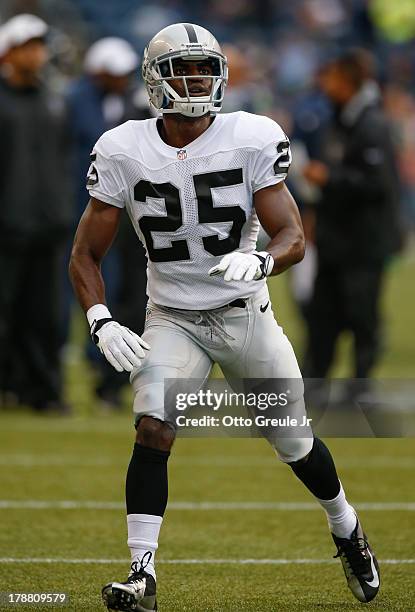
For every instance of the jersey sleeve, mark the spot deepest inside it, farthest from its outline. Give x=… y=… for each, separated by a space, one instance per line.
x=104 y=179
x=273 y=160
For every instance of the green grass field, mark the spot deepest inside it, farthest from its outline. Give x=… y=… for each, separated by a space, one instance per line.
x=231 y=502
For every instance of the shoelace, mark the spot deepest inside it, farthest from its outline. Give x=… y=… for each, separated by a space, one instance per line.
x=138 y=567
x=353 y=552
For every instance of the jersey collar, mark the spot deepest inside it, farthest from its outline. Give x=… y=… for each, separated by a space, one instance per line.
x=193 y=148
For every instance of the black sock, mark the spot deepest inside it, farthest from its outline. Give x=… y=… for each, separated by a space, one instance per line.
x=146 y=487
x=318 y=472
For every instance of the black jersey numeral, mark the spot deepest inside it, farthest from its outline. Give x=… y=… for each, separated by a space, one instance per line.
x=208 y=213
x=92 y=176
x=204 y=183
x=179 y=250
x=283 y=158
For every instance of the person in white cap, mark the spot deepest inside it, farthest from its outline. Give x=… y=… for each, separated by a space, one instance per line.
x=111 y=54
x=35 y=217
x=23 y=51
x=102 y=98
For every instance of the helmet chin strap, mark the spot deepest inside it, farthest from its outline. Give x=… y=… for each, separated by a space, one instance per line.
x=191 y=110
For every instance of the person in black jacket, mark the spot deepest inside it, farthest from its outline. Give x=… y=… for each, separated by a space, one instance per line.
x=35 y=217
x=102 y=98
x=356 y=218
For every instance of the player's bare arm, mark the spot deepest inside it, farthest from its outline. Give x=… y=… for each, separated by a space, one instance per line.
x=96 y=232
x=279 y=216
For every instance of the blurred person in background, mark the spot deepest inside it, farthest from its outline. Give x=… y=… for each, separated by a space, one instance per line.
x=248 y=88
x=356 y=217
x=35 y=217
x=400 y=107
x=102 y=98
x=67 y=34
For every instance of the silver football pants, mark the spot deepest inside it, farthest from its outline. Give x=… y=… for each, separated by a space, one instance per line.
x=247 y=343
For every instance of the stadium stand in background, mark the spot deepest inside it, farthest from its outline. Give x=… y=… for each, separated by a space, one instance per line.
x=276 y=52
x=286 y=42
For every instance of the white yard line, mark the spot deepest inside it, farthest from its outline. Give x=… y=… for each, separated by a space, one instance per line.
x=12 y=560
x=33 y=504
x=28 y=460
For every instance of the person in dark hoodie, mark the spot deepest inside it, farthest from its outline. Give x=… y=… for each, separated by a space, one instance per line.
x=356 y=217
x=102 y=98
x=35 y=217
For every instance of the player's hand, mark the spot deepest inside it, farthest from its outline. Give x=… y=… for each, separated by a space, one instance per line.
x=120 y=346
x=238 y=266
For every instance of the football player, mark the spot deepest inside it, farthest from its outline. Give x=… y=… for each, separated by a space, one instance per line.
x=196 y=185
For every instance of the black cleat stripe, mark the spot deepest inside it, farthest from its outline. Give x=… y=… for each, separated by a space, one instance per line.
x=191 y=32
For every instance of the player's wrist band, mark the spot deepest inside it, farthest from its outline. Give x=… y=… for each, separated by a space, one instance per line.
x=267 y=263
x=98 y=315
x=97 y=312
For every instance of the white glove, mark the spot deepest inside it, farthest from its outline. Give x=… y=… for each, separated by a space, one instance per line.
x=237 y=266
x=119 y=345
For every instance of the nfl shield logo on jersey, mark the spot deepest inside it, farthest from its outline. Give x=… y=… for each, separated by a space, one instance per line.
x=182 y=154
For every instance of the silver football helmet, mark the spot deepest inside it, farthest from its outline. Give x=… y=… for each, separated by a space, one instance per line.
x=189 y=42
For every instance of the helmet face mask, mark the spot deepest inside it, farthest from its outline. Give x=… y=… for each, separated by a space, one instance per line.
x=159 y=71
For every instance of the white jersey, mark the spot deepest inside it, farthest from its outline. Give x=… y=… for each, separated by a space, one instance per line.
x=191 y=206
